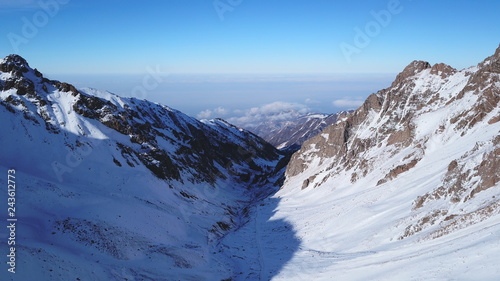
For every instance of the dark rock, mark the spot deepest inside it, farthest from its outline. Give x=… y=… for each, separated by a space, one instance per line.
x=410 y=70
x=443 y=70
x=14 y=63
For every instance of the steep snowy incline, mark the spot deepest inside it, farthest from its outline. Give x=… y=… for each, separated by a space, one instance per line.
x=111 y=188
x=405 y=188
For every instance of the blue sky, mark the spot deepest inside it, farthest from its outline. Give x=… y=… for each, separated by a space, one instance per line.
x=80 y=39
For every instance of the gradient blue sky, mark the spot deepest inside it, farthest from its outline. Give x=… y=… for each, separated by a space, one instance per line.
x=83 y=38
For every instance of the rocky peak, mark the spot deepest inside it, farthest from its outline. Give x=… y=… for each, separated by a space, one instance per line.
x=387 y=120
x=25 y=79
x=443 y=70
x=18 y=68
x=410 y=70
x=14 y=63
x=492 y=63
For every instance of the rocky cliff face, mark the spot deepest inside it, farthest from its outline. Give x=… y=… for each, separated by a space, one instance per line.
x=427 y=110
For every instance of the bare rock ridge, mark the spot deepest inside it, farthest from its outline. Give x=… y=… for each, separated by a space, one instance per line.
x=142 y=121
x=394 y=104
x=443 y=70
x=398 y=128
x=410 y=70
x=492 y=63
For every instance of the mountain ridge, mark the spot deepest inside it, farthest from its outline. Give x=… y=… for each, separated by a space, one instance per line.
x=410 y=179
x=120 y=182
x=405 y=187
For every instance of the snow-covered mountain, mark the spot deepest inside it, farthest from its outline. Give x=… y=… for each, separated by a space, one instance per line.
x=290 y=133
x=405 y=188
x=110 y=188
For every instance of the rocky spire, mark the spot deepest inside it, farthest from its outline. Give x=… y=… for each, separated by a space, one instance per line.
x=492 y=63
x=413 y=68
x=14 y=63
x=443 y=70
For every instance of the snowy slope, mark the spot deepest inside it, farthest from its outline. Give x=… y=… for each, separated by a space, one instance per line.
x=405 y=188
x=121 y=189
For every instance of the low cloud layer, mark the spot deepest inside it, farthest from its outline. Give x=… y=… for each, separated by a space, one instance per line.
x=219 y=112
x=348 y=103
x=276 y=111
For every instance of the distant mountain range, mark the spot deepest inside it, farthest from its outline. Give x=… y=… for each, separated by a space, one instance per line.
x=406 y=187
x=289 y=134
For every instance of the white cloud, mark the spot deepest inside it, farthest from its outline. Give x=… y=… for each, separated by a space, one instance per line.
x=220 y=111
x=276 y=111
x=205 y=114
x=279 y=107
x=251 y=117
x=350 y=103
x=216 y=113
x=312 y=101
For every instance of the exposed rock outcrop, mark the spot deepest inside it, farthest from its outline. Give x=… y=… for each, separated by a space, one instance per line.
x=396 y=129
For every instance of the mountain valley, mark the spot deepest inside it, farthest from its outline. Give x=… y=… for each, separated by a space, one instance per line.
x=406 y=187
